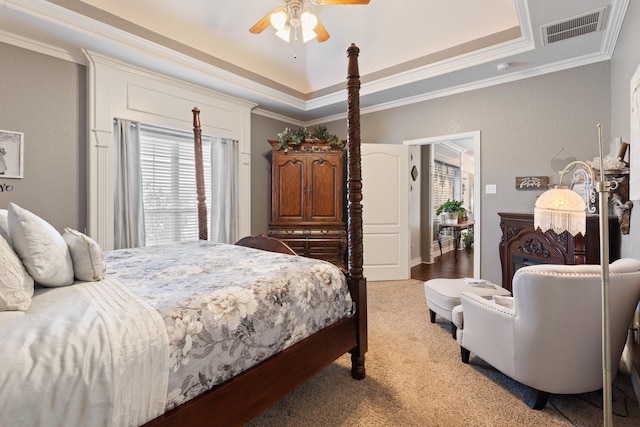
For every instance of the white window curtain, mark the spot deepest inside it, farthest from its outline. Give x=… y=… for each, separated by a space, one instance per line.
x=129 y=230
x=167 y=165
x=224 y=225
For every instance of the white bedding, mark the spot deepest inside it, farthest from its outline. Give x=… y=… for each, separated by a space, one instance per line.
x=166 y=324
x=73 y=359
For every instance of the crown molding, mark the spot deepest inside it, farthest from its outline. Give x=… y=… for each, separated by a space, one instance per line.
x=45 y=49
x=614 y=25
x=152 y=56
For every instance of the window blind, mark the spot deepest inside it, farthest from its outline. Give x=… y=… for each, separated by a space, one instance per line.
x=167 y=162
x=444 y=183
x=445 y=177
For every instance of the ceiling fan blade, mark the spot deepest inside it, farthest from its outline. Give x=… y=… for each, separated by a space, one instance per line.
x=322 y=33
x=342 y=2
x=262 y=24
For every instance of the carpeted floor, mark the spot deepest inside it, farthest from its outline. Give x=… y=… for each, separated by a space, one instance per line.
x=415 y=378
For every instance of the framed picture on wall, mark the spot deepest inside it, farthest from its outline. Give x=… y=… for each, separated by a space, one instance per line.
x=11 y=154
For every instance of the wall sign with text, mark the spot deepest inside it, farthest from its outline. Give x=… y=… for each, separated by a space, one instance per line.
x=532 y=182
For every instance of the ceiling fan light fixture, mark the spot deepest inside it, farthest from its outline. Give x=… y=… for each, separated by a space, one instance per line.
x=308 y=35
x=278 y=20
x=293 y=15
x=308 y=20
x=284 y=33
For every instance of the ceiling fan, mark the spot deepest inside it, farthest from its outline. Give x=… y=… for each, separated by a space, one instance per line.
x=294 y=15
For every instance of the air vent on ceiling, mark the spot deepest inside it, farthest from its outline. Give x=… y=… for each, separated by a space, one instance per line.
x=574 y=26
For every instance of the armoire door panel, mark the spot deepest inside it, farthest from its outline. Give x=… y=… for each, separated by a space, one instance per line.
x=326 y=190
x=289 y=193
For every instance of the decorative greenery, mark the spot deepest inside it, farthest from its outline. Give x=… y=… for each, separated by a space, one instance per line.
x=320 y=133
x=467 y=239
x=290 y=138
x=451 y=206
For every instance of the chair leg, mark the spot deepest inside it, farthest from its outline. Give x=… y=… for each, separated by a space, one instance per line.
x=538 y=400
x=432 y=315
x=454 y=330
x=465 y=355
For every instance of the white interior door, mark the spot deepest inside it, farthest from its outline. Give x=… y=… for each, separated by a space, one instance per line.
x=385 y=204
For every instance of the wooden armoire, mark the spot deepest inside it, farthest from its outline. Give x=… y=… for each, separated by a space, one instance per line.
x=307 y=206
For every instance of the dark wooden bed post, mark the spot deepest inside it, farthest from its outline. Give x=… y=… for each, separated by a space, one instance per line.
x=203 y=233
x=357 y=282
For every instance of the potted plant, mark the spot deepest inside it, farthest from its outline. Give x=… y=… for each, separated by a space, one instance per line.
x=467 y=240
x=453 y=208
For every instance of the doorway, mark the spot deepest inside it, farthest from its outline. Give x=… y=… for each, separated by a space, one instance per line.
x=424 y=244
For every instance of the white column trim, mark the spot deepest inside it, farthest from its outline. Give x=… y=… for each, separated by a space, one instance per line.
x=119 y=90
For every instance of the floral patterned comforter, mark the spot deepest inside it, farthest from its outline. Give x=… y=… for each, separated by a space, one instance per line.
x=227 y=307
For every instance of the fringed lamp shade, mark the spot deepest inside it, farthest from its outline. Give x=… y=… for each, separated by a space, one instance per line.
x=560 y=209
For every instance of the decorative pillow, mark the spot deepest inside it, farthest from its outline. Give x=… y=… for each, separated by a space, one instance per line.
x=41 y=248
x=4 y=225
x=16 y=286
x=87 y=257
x=503 y=301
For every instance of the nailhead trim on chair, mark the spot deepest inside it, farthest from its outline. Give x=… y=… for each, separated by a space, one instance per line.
x=485 y=302
x=562 y=273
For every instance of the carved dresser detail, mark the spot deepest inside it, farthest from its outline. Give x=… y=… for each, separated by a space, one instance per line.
x=521 y=245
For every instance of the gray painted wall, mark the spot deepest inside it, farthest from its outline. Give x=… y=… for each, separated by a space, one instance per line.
x=262 y=129
x=45 y=97
x=523 y=125
x=625 y=61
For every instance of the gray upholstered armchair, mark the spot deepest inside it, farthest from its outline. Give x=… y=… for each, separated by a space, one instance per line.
x=550 y=339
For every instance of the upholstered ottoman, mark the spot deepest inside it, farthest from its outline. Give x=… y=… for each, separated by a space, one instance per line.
x=444 y=294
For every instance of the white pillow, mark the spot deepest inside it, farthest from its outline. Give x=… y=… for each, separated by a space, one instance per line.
x=41 y=248
x=87 y=257
x=16 y=286
x=4 y=225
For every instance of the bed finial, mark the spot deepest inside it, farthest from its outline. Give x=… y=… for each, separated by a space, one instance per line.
x=196 y=117
x=203 y=233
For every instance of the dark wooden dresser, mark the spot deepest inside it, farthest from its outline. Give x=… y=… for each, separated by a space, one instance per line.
x=307 y=206
x=521 y=245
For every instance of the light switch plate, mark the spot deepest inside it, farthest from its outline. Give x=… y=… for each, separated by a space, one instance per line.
x=490 y=189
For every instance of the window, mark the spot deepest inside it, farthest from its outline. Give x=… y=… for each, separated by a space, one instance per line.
x=445 y=179
x=167 y=162
x=445 y=184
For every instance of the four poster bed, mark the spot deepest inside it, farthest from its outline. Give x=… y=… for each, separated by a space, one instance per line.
x=190 y=334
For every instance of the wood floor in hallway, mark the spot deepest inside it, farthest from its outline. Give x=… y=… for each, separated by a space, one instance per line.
x=449 y=267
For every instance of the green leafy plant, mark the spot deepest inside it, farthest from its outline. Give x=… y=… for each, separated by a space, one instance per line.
x=467 y=239
x=290 y=138
x=321 y=134
x=451 y=206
